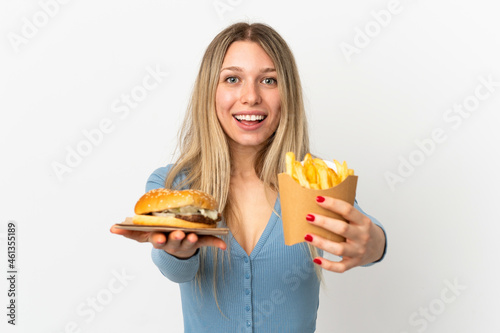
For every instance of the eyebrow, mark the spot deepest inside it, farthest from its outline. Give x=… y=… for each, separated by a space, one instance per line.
x=239 y=69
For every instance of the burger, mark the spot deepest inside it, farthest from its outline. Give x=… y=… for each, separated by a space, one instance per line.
x=180 y=209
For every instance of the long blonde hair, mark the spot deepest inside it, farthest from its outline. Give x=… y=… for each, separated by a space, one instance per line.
x=204 y=156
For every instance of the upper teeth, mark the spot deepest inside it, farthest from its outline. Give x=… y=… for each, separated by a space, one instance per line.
x=248 y=117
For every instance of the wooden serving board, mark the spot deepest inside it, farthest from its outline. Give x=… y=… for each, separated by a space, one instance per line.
x=128 y=225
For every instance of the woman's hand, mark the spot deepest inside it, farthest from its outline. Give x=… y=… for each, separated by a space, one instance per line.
x=176 y=243
x=365 y=241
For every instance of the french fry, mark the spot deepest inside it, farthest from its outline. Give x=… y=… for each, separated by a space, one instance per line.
x=339 y=168
x=301 y=175
x=334 y=178
x=308 y=157
x=319 y=162
x=324 y=181
x=290 y=165
x=315 y=173
x=342 y=170
x=310 y=171
x=345 y=171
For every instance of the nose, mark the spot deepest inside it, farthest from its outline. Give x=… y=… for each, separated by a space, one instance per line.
x=250 y=94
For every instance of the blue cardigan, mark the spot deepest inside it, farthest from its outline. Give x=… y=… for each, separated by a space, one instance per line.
x=274 y=289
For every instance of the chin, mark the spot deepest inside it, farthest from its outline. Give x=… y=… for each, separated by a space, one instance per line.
x=247 y=142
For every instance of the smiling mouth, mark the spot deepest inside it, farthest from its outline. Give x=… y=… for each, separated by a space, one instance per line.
x=250 y=118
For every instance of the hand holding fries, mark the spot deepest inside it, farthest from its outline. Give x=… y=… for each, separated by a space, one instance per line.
x=330 y=219
x=364 y=240
x=315 y=173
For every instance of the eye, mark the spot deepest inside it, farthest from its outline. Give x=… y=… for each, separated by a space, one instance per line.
x=231 y=79
x=269 y=81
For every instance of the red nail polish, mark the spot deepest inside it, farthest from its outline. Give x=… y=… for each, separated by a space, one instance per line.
x=308 y=238
x=320 y=198
x=317 y=261
x=310 y=217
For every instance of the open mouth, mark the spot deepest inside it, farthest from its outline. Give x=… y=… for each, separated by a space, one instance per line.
x=249 y=118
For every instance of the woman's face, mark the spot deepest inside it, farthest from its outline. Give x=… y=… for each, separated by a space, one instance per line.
x=247 y=99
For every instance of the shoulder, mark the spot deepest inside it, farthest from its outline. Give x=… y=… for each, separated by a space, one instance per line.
x=158 y=177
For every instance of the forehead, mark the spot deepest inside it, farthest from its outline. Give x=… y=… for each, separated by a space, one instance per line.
x=247 y=54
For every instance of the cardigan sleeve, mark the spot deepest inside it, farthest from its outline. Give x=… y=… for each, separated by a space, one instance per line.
x=374 y=220
x=173 y=268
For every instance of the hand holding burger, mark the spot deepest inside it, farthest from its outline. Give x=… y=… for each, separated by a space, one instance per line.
x=186 y=209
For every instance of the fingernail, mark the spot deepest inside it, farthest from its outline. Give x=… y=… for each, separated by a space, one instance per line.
x=317 y=261
x=319 y=198
x=308 y=238
x=310 y=217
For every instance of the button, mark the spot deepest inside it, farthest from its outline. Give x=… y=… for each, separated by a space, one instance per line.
x=246 y=260
x=247 y=291
x=249 y=323
x=247 y=308
x=247 y=275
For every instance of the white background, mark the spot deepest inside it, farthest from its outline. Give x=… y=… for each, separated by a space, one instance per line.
x=368 y=109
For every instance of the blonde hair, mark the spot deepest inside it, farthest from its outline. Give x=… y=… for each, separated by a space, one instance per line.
x=204 y=156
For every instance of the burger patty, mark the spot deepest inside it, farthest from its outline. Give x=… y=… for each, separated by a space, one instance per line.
x=198 y=218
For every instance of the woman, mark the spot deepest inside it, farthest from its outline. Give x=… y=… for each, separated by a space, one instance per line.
x=246 y=112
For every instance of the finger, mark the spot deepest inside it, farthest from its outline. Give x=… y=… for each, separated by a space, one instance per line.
x=118 y=231
x=334 y=266
x=174 y=241
x=158 y=239
x=140 y=236
x=339 y=227
x=212 y=241
x=344 y=209
x=341 y=249
x=189 y=243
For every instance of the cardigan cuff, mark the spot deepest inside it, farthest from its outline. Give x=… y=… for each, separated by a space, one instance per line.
x=176 y=269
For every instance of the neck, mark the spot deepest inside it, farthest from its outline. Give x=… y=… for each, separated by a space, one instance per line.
x=243 y=161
